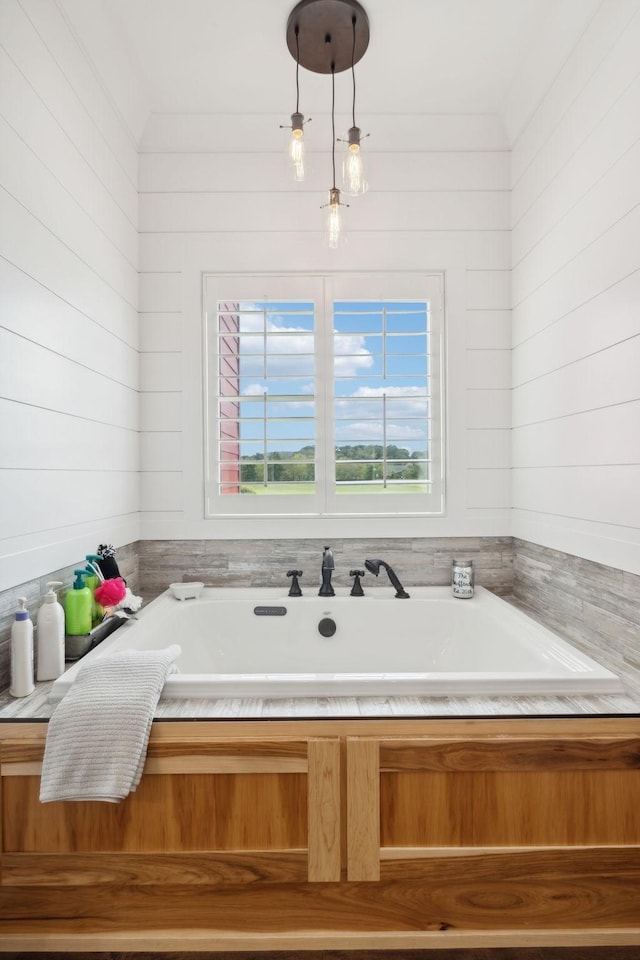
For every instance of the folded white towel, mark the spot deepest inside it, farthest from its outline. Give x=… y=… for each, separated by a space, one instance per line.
x=98 y=735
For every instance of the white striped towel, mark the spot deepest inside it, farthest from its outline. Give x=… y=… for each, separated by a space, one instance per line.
x=98 y=735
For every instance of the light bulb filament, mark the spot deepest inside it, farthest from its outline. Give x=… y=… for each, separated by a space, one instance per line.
x=296 y=146
x=296 y=154
x=335 y=225
x=352 y=166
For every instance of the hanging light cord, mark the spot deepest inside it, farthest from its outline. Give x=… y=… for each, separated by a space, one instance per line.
x=333 y=121
x=353 y=71
x=298 y=69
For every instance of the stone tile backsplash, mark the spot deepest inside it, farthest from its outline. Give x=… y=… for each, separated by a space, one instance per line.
x=592 y=605
x=264 y=563
x=588 y=603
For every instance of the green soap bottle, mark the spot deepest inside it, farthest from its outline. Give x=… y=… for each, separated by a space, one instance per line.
x=92 y=581
x=77 y=607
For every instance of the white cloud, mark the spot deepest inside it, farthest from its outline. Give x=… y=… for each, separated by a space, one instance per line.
x=254 y=390
x=296 y=347
x=366 y=401
x=365 y=391
x=351 y=355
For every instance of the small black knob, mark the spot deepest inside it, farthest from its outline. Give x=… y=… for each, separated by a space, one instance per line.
x=356 y=589
x=294 y=589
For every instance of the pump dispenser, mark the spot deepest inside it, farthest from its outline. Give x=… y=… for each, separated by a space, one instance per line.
x=50 y=636
x=21 y=652
x=77 y=606
x=92 y=580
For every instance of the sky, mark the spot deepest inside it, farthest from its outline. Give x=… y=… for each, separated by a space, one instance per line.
x=277 y=359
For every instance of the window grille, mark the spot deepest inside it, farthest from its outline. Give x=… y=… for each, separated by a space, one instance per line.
x=323 y=396
x=382 y=411
x=266 y=397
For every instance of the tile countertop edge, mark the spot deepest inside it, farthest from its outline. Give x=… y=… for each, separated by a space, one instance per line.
x=36 y=707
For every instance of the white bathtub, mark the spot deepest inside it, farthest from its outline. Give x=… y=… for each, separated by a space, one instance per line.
x=260 y=643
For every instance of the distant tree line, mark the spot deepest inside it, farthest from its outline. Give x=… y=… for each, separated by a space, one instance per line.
x=299 y=465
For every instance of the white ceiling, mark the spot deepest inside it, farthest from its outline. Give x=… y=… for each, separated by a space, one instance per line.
x=425 y=56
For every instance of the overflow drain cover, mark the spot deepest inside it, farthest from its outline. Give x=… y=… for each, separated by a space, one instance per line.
x=327 y=627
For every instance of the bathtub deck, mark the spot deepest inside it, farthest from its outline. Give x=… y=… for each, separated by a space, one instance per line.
x=38 y=707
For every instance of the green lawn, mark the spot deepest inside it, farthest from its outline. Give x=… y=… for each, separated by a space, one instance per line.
x=297 y=488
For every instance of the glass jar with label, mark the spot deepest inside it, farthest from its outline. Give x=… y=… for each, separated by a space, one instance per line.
x=462 y=578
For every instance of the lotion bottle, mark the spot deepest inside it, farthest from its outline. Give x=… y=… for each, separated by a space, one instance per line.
x=21 y=652
x=50 y=636
x=77 y=607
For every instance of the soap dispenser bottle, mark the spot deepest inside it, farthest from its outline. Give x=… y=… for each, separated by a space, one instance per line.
x=93 y=580
x=50 y=636
x=77 y=607
x=21 y=652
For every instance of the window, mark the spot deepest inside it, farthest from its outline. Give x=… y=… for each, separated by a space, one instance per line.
x=323 y=395
x=265 y=385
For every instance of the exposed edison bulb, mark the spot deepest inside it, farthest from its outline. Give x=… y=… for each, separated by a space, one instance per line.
x=334 y=219
x=352 y=172
x=296 y=146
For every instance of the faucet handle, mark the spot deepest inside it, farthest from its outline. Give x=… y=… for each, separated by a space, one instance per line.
x=294 y=589
x=356 y=589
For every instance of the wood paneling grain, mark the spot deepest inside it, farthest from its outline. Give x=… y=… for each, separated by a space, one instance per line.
x=507 y=754
x=120 y=869
x=529 y=808
x=45 y=936
x=466 y=728
x=14 y=750
x=508 y=863
x=363 y=809
x=353 y=945
x=175 y=812
x=21 y=758
x=493 y=832
x=552 y=890
x=323 y=810
x=214 y=764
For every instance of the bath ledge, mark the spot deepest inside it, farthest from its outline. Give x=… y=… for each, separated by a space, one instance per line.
x=251 y=696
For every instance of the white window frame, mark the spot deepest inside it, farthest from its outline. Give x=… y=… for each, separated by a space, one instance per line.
x=324 y=290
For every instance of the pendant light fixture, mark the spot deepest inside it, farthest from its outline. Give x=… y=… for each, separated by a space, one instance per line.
x=335 y=232
x=353 y=179
x=296 y=143
x=330 y=36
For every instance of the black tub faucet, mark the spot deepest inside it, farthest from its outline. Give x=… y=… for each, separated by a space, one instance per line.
x=328 y=566
x=373 y=566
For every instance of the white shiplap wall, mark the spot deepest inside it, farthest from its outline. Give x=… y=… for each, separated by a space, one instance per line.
x=576 y=290
x=69 y=442
x=215 y=196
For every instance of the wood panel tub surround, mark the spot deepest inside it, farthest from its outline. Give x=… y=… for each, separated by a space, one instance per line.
x=265 y=796
x=364 y=834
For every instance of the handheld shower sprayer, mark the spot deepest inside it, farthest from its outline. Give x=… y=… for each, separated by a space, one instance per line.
x=373 y=566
